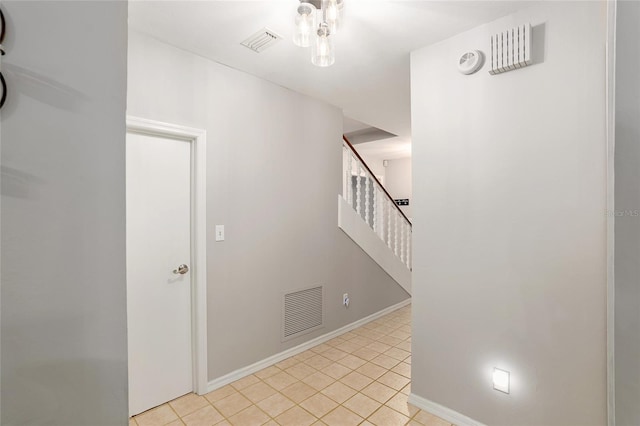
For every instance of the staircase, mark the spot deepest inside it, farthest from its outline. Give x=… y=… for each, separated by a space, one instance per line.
x=370 y=217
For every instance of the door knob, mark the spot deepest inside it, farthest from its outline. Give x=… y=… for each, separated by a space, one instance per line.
x=182 y=269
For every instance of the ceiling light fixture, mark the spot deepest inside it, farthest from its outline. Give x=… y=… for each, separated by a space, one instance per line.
x=316 y=24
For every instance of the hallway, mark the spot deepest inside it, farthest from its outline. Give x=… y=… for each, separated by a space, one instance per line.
x=360 y=378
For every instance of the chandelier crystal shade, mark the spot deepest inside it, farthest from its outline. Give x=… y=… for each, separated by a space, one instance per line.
x=316 y=24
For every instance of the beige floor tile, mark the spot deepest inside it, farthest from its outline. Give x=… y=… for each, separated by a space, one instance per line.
x=319 y=423
x=319 y=362
x=289 y=362
x=361 y=341
x=385 y=361
x=157 y=416
x=400 y=404
x=394 y=380
x=300 y=371
x=338 y=392
x=275 y=405
x=245 y=382
x=366 y=353
x=318 y=381
x=232 y=404
x=224 y=423
x=321 y=348
x=390 y=340
x=295 y=416
x=385 y=416
x=342 y=417
x=219 y=394
x=378 y=347
x=408 y=360
x=334 y=354
x=271 y=423
x=362 y=405
x=400 y=334
x=356 y=380
x=352 y=361
x=176 y=423
x=188 y=404
x=305 y=355
x=319 y=405
x=348 y=347
x=379 y=392
x=372 y=370
x=407 y=389
x=298 y=392
x=336 y=341
x=132 y=422
x=366 y=423
x=403 y=369
x=398 y=354
x=428 y=419
x=257 y=392
x=267 y=372
x=205 y=416
x=336 y=370
x=280 y=380
x=251 y=416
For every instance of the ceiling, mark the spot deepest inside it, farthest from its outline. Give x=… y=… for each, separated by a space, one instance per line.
x=370 y=79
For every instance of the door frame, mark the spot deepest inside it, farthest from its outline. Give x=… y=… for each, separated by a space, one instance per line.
x=198 y=262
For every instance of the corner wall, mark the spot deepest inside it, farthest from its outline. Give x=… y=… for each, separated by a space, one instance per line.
x=281 y=218
x=64 y=353
x=510 y=226
x=627 y=215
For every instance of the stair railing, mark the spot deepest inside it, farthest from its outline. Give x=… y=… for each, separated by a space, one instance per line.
x=370 y=200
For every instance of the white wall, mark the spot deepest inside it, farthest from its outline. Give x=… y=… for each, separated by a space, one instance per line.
x=627 y=211
x=63 y=214
x=398 y=182
x=280 y=218
x=509 y=237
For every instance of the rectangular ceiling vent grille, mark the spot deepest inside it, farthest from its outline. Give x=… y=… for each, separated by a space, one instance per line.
x=510 y=49
x=261 y=40
x=303 y=312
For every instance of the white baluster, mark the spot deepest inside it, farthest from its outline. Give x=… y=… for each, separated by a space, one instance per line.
x=375 y=209
x=367 y=200
x=348 y=179
x=395 y=232
x=409 y=246
x=358 y=191
x=389 y=223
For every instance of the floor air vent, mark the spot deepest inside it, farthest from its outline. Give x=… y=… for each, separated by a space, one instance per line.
x=302 y=313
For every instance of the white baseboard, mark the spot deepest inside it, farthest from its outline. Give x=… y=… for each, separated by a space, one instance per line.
x=274 y=359
x=441 y=411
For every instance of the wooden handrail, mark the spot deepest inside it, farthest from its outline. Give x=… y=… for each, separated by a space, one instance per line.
x=375 y=178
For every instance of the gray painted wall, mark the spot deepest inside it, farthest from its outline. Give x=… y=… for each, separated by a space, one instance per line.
x=510 y=231
x=397 y=180
x=273 y=175
x=63 y=214
x=627 y=222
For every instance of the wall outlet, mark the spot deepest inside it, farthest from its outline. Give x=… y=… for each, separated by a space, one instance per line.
x=345 y=300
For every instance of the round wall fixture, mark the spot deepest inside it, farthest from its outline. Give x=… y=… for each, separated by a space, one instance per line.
x=470 y=62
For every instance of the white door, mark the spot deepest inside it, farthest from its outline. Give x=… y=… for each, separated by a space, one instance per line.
x=158 y=291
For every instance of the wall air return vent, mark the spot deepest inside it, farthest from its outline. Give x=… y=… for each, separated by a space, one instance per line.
x=302 y=312
x=261 y=40
x=510 y=49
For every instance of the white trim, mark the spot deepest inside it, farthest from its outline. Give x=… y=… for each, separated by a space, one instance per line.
x=441 y=411
x=198 y=139
x=611 y=126
x=274 y=359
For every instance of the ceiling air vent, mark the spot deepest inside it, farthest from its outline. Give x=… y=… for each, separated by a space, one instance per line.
x=261 y=40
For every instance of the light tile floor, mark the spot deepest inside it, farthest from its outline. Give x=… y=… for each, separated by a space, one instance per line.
x=362 y=377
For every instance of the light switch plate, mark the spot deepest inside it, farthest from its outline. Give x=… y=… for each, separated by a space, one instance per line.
x=219 y=232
